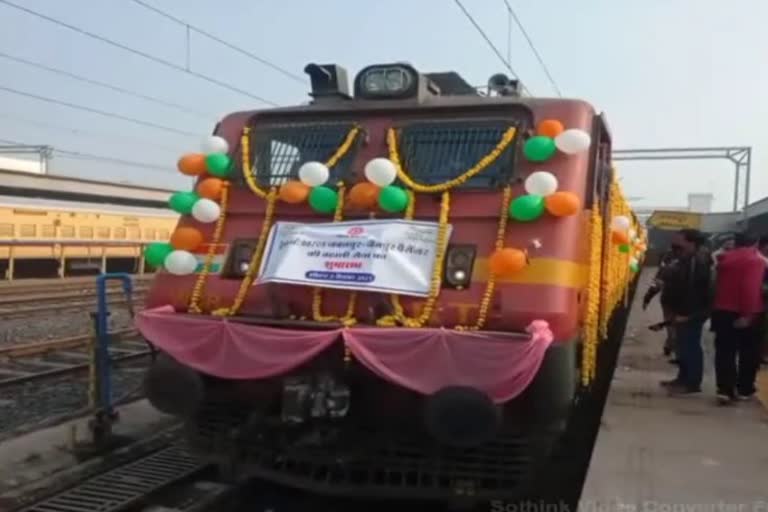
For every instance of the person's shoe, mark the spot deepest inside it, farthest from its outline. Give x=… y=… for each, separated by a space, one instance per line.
x=670 y=383
x=744 y=398
x=674 y=361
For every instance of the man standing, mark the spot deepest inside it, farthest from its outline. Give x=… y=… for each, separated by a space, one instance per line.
x=687 y=286
x=658 y=286
x=737 y=308
x=762 y=247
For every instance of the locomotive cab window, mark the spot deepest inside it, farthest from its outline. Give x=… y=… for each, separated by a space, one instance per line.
x=436 y=152
x=240 y=254
x=280 y=150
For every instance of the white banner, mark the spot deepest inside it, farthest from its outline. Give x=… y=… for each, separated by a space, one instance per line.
x=388 y=256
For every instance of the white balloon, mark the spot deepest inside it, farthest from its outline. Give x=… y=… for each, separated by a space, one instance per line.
x=381 y=172
x=215 y=144
x=541 y=183
x=206 y=211
x=573 y=141
x=621 y=223
x=313 y=174
x=180 y=263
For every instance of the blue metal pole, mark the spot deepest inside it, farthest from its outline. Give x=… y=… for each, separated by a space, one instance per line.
x=102 y=333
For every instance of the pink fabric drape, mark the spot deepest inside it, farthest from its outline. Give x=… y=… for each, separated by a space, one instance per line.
x=422 y=360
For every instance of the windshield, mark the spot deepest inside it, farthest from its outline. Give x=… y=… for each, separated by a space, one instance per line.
x=431 y=152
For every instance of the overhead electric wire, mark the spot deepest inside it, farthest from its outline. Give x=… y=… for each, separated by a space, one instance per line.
x=64 y=153
x=221 y=41
x=487 y=40
x=105 y=85
x=115 y=137
x=96 y=111
x=519 y=24
x=134 y=51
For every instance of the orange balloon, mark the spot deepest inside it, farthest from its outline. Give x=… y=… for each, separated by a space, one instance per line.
x=507 y=261
x=210 y=188
x=550 y=128
x=186 y=239
x=294 y=192
x=192 y=164
x=562 y=204
x=620 y=237
x=364 y=195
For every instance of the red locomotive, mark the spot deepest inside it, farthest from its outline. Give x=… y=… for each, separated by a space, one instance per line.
x=395 y=291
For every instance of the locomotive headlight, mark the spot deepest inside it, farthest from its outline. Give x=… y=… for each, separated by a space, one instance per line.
x=388 y=81
x=459 y=260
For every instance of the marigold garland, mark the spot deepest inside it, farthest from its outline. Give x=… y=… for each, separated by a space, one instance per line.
x=506 y=139
x=592 y=317
x=490 y=286
x=245 y=152
x=436 y=279
x=616 y=277
x=271 y=198
x=394 y=155
x=197 y=290
x=398 y=313
x=255 y=263
x=317 y=293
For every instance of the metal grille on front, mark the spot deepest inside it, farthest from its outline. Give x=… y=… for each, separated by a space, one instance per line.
x=365 y=462
x=437 y=152
x=279 y=150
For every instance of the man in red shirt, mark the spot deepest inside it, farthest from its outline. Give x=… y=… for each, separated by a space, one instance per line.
x=736 y=310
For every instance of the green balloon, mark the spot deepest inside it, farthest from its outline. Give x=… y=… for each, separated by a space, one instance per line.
x=527 y=208
x=182 y=202
x=323 y=199
x=393 y=199
x=634 y=267
x=156 y=253
x=218 y=164
x=624 y=248
x=539 y=148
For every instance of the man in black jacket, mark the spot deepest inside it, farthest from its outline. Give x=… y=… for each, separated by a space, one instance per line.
x=687 y=290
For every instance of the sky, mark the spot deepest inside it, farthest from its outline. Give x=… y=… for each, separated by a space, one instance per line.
x=666 y=73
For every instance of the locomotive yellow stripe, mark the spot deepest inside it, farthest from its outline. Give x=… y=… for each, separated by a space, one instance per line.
x=543 y=271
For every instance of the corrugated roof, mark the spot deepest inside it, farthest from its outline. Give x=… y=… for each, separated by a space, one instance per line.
x=57 y=205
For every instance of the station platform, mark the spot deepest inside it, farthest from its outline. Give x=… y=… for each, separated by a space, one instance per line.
x=662 y=453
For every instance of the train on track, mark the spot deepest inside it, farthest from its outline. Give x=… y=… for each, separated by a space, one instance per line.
x=42 y=237
x=411 y=290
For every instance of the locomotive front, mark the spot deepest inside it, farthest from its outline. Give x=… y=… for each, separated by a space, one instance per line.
x=380 y=293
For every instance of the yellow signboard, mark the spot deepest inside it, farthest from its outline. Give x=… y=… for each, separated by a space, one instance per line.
x=675 y=220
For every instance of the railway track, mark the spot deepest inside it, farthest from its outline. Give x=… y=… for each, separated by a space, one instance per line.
x=26 y=362
x=45 y=383
x=66 y=284
x=12 y=308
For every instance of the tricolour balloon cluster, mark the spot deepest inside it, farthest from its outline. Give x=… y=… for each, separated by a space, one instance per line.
x=551 y=136
x=311 y=186
x=541 y=189
x=542 y=195
x=378 y=190
x=213 y=165
x=627 y=240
